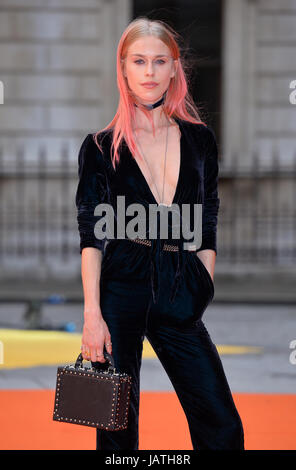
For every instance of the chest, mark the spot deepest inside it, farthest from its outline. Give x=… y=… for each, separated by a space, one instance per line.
x=183 y=182
x=160 y=164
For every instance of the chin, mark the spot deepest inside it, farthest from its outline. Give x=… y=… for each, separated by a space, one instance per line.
x=152 y=94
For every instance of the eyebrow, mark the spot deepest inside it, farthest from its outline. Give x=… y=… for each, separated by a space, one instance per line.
x=158 y=55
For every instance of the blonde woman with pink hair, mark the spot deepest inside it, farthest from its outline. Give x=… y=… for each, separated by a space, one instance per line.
x=155 y=154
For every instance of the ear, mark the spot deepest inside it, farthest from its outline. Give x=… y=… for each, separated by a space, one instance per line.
x=123 y=67
x=175 y=68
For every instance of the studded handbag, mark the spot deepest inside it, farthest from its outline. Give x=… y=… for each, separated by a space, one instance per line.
x=91 y=396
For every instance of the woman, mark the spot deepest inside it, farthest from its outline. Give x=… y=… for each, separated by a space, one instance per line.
x=154 y=153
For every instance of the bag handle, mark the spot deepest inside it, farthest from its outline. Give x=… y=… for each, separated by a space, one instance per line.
x=107 y=356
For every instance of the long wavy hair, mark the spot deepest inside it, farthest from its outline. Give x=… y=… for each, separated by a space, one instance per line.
x=178 y=101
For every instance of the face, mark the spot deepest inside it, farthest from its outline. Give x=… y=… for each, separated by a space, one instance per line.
x=149 y=60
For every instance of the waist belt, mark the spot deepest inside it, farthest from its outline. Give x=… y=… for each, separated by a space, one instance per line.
x=144 y=241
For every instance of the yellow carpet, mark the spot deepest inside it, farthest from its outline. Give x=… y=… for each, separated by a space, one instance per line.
x=30 y=348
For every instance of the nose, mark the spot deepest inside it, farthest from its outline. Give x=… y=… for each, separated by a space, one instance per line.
x=149 y=68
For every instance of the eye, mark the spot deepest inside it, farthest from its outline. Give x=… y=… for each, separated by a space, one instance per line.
x=159 y=61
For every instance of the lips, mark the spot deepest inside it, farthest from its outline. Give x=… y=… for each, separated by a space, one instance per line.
x=149 y=84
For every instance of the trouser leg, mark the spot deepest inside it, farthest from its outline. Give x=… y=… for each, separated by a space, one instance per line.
x=193 y=365
x=123 y=309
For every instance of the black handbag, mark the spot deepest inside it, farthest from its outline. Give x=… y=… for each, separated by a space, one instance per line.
x=91 y=396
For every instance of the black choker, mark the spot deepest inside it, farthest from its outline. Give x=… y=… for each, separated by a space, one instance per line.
x=154 y=105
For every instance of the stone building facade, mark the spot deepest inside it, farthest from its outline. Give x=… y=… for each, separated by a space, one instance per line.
x=59 y=78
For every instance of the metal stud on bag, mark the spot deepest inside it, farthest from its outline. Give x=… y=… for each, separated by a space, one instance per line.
x=79 y=387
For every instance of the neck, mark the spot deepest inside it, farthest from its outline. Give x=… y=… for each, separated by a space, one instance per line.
x=158 y=115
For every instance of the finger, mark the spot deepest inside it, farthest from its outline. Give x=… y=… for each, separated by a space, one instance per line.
x=108 y=344
x=85 y=353
x=93 y=355
x=100 y=356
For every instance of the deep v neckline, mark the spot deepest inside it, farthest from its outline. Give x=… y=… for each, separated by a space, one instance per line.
x=180 y=168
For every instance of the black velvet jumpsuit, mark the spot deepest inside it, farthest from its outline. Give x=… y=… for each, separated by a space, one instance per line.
x=147 y=290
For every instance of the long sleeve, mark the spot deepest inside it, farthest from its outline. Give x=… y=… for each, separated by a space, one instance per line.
x=211 y=200
x=91 y=191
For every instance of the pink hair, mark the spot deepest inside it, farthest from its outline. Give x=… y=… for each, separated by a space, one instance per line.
x=178 y=99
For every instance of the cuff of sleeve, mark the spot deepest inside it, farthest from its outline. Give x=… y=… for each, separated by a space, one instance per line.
x=99 y=244
x=207 y=246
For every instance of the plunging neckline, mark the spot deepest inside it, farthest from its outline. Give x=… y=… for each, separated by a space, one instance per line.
x=179 y=174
